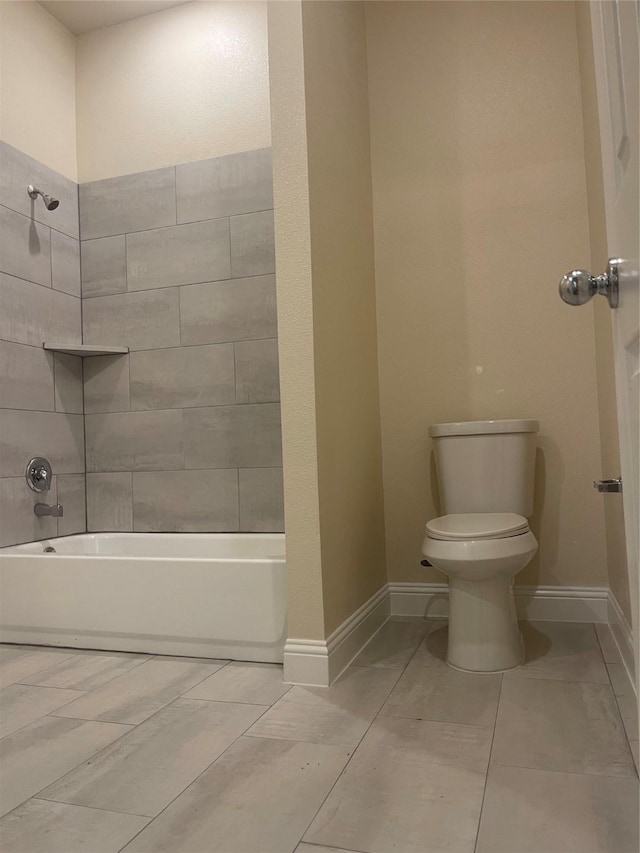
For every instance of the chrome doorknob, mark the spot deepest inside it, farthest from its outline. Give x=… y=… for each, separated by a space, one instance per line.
x=579 y=286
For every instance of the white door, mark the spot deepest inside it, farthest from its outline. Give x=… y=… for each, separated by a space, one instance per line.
x=616 y=35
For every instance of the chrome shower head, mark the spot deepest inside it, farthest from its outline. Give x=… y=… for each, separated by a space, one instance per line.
x=49 y=201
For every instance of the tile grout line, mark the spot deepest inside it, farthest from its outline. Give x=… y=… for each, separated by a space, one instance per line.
x=359 y=743
x=486 y=778
x=193 y=781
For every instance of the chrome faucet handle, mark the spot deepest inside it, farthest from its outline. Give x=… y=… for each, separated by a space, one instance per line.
x=39 y=474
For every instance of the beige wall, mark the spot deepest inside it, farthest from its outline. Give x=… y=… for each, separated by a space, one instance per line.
x=607 y=408
x=183 y=84
x=479 y=207
x=326 y=312
x=37 y=85
x=305 y=615
x=344 y=308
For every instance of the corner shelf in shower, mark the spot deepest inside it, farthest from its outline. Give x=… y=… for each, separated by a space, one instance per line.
x=84 y=350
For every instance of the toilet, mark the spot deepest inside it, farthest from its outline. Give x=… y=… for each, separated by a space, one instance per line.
x=486 y=483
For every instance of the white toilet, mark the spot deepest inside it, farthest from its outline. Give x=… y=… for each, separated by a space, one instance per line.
x=486 y=481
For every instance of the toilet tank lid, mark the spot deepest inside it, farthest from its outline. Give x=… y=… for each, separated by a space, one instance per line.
x=483 y=427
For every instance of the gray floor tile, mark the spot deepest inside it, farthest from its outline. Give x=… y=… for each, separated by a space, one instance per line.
x=610 y=651
x=320 y=848
x=44 y=827
x=21 y=704
x=20 y=662
x=530 y=811
x=561 y=725
x=321 y=724
x=155 y=762
x=86 y=670
x=42 y=752
x=634 y=750
x=430 y=690
x=136 y=695
x=411 y=786
x=393 y=645
x=251 y=683
x=259 y=795
x=566 y=651
x=358 y=689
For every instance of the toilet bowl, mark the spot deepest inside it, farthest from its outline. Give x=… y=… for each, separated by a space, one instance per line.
x=481 y=553
x=486 y=479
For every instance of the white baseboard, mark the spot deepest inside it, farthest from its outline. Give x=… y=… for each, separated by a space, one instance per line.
x=623 y=636
x=544 y=603
x=319 y=662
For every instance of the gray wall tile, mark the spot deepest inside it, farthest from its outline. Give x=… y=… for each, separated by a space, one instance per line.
x=186 y=501
x=65 y=263
x=134 y=441
x=68 y=383
x=224 y=186
x=252 y=244
x=233 y=437
x=26 y=377
x=127 y=203
x=25 y=247
x=182 y=377
x=104 y=266
x=57 y=436
x=183 y=254
x=137 y=320
x=18 y=523
x=18 y=170
x=71 y=494
x=261 y=500
x=257 y=378
x=106 y=384
x=237 y=310
x=32 y=314
x=109 y=502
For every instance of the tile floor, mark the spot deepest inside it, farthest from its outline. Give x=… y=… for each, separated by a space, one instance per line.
x=106 y=752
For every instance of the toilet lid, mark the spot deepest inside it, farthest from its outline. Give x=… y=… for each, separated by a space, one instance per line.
x=477 y=525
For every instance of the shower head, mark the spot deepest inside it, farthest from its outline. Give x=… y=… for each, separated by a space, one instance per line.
x=49 y=201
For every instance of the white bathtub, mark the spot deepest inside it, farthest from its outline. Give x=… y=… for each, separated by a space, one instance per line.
x=203 y=595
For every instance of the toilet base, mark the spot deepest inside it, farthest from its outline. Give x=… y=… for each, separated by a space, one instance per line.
x=483 y=626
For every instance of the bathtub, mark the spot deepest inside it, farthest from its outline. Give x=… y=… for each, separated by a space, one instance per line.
x=203 y=595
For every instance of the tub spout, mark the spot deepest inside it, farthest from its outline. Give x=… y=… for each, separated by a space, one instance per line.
x=56 y=510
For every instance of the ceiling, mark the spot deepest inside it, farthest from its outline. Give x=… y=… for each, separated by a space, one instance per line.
x=81 y=16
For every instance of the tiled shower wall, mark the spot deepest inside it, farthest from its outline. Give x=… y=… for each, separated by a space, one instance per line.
x=40 y=393
x=183 y=433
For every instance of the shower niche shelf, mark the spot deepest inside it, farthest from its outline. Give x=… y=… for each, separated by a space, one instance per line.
x=84 y=350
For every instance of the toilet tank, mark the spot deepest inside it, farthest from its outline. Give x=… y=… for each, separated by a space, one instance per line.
x=486 y=466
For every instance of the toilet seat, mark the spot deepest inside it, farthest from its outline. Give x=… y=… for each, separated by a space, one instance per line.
x=464 y=527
